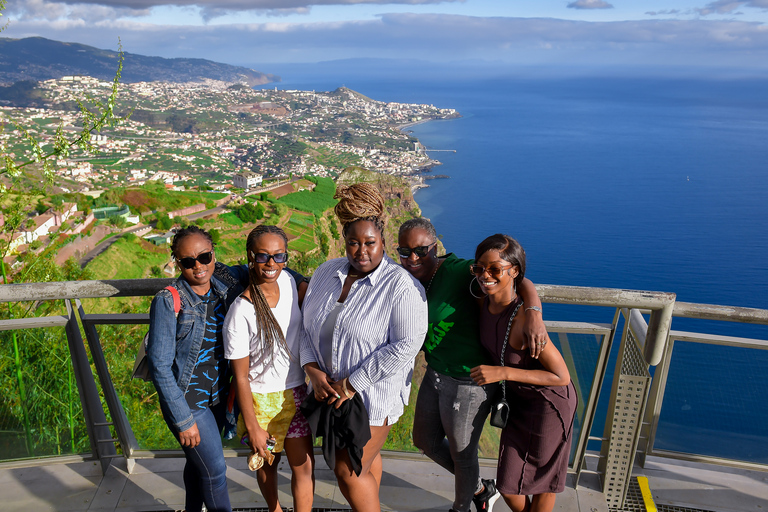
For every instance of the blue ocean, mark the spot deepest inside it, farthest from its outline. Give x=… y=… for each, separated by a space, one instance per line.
x=622 y=182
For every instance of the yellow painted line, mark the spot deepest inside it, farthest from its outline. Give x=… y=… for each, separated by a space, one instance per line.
x=650 y=506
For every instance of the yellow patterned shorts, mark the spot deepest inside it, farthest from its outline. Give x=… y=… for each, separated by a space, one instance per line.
x=278 y=413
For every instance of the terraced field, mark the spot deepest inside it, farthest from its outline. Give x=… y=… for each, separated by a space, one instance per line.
x=300 y=231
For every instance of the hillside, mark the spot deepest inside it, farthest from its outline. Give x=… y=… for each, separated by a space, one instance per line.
x=37 y=58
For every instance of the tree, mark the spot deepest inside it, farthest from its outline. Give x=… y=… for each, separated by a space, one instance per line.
x=164 y=223
x=250 y=213
x=118 y=221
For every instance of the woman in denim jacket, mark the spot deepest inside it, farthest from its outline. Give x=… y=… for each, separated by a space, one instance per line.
x=189 y=371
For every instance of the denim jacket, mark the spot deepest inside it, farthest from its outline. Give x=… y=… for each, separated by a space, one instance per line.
x=174 y=342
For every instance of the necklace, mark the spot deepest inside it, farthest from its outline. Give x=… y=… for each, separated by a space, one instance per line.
x=434 y=272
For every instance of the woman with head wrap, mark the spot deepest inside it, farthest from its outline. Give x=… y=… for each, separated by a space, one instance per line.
x=365 y=318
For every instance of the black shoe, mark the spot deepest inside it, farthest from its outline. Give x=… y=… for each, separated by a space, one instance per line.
x=485 y=500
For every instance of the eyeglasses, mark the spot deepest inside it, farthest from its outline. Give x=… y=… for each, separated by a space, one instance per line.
x=263 y=257
x=420 y=251
x=479 y=270
x=189 y=262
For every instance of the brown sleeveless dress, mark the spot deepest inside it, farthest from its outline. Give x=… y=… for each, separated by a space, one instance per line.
x=536 y=443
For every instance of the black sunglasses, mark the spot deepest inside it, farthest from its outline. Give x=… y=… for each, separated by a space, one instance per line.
x=262 y=257
x=478 y=270
x=420 y=251
x=189 y=262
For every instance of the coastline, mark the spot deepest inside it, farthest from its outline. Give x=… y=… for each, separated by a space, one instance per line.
x=405 y=126
x=417 y=181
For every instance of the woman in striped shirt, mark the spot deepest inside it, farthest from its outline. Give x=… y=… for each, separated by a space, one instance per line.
x=365 y=318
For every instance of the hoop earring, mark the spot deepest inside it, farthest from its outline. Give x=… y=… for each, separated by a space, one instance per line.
x=474 y=279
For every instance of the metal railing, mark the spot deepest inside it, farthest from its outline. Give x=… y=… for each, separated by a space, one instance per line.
x=716 y=313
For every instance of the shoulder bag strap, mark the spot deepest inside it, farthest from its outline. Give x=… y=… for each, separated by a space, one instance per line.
x=176 y=299
x=504 y=347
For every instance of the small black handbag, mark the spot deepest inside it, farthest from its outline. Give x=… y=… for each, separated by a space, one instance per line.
x=500 y=407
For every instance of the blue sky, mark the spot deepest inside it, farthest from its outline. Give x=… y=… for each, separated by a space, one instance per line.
x=716 y=35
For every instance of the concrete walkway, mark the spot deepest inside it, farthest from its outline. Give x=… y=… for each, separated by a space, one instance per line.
x=409 y=483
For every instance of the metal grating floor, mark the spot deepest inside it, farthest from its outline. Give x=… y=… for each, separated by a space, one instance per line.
x=634 y=502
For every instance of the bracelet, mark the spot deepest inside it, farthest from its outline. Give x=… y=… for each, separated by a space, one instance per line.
x=344 y=388
x=535 y=308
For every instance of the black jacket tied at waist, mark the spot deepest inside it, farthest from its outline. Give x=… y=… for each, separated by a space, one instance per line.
x=344 y=428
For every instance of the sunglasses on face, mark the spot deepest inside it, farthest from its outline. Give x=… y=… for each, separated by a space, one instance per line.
x=479 y=270
x=263 y=257
x=189 y=262
x=420 y=251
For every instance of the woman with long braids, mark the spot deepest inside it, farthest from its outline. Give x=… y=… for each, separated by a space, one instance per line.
x=364 y=321
x=261 y=336
x=185 y=352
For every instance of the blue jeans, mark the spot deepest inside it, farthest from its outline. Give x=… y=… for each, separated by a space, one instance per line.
x=449 y=417
x=205 y=473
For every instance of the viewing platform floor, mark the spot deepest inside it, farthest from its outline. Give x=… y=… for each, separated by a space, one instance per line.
x=410 y=482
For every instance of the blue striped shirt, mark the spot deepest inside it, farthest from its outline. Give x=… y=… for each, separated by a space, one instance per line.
x=377 y=336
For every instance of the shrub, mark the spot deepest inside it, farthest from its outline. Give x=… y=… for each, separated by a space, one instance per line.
x=164 y=223
x=250 y=213
x=215 y=236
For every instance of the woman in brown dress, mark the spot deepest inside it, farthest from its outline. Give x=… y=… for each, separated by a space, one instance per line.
x=536 y=442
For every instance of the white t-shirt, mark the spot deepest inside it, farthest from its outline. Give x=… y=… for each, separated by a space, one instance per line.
x=267 y=373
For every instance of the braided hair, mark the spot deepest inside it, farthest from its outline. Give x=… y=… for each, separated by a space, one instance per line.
x=361 y=201
x=270 y=333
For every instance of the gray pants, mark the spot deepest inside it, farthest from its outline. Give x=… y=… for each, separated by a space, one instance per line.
x=449 y=418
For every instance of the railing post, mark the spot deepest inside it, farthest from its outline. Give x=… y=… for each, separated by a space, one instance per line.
x=120 y=421
x=655 y=400
x=601 y=367
x=658 y=330
x=99 y=433
x=624 y=419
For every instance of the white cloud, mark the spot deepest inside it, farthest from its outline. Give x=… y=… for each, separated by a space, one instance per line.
x=666 y=12
x=431 y=37
x=50 y=11
x=730 y=6
x=217 y=5
x=589 y=4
